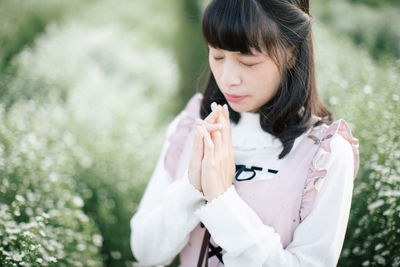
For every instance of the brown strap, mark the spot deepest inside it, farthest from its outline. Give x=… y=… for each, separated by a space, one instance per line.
x=204 y=249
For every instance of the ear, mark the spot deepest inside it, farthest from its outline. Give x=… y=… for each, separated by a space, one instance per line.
x=292 y=56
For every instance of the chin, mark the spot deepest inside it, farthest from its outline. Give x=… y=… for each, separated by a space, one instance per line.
x=242 y=108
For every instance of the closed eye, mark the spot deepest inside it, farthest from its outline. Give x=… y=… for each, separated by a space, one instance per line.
x=248 y=64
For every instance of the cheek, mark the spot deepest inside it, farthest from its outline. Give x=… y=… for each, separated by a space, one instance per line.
x=265 y=82
x=212 y=63
x=271 y=76
x=215 y=70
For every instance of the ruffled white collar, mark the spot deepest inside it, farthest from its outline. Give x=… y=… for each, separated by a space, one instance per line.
x=247 y=134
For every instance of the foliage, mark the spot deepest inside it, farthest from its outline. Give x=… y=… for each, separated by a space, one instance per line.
x=367 y=96
x=22 y=21
x=190 y=50
x=374 y=29
x=375 y=3
x=88 y=94
x=41 y=215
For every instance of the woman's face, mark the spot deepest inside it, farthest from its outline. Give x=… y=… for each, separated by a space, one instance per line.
x=247 y=81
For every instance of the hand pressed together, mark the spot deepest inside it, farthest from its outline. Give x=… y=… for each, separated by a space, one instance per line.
x=211 y=165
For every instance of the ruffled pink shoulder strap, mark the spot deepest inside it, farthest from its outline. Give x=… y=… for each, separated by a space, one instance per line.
x=323 y=136
x=178 y=138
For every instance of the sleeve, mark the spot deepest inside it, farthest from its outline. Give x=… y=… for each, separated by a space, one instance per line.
x=165 y=217
x=318 y=239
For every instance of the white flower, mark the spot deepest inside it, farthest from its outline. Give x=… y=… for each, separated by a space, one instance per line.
x=27 y=233
x=18 y=257
x=51 y=259
x=13 y=230
x=367 y=89
x=42 y=233
x=81 y=247
x=333 y=100
x=97 y=240
x=53 y=177
x=379 y=246
x=20 y=198
x=32 y=224
x=78 y=201
x=376 y=204
x=39 y=218
x=116 y=255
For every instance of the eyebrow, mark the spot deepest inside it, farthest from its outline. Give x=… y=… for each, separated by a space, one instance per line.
x=237 y=52
x=248 y=55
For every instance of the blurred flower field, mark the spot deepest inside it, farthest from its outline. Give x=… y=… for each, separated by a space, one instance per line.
x=374 y=29
x=81 y=125
x=86 y=94
x=368 y=97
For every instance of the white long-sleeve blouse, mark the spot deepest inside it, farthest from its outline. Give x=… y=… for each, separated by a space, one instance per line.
x=171 y=209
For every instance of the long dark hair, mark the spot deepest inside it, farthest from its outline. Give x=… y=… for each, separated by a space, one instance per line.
x=274 y=26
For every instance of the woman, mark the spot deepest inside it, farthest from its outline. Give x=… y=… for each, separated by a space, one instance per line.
x=254 y=171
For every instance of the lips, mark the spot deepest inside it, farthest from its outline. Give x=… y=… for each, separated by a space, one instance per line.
x=233 y=98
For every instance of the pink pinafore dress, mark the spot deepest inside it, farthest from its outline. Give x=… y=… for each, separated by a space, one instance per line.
x=282 y=202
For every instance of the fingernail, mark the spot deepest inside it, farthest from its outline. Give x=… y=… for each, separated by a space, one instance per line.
x=226 y=109
x=213 y=104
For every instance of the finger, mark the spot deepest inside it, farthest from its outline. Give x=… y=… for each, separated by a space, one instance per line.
x=198 y=143
x=228 y=134
x=226 y=138
x=213 y=106
x=209 y=126
x=224 y=126
x=195 y=161
x=212 y=117
x=226 y=113
x=226 y=110
x=197 y=152
x=217 y=145
x=208 y=145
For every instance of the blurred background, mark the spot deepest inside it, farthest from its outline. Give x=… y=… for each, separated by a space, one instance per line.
x=87 y=88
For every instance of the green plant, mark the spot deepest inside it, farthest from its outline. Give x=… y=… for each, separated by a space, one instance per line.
x=94 y=91
x=41 y=213
x=374 y=29
x=367 y=96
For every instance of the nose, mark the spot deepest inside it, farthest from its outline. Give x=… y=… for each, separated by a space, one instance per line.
x=230 y=74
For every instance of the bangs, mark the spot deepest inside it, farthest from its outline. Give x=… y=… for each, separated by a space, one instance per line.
x=238 y=25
